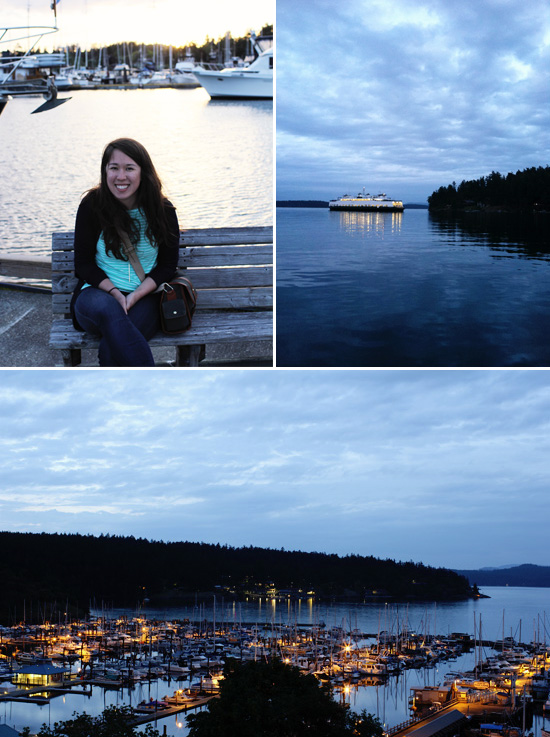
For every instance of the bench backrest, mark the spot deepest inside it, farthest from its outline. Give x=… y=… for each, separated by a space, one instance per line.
x=231 y=268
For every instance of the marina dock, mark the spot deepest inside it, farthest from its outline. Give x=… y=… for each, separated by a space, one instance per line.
x=447 y=719
x=119 y=653
x=152 y=715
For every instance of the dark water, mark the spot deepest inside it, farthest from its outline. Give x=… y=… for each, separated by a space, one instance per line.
x=412 y=289
x=520 y=612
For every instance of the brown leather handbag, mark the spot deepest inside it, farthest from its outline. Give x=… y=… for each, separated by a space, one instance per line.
x=178 y=298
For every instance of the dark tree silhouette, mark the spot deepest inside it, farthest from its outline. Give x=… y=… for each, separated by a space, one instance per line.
x=114 y=722
x=259 y=699
x=525 y=190
x=123 y=571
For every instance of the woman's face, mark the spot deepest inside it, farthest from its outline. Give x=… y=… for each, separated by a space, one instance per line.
x=123 y=178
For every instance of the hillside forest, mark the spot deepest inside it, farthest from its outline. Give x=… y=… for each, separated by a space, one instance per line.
x=527 y=190
x=45 y=572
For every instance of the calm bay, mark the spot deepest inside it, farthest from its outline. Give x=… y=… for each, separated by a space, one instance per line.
x=412 y=289
x=508 y=612
x=215 y=159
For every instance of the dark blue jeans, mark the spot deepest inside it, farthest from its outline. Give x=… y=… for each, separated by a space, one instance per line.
x=123 y=336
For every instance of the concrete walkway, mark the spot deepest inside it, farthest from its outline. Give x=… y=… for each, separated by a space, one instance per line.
x=25 y=322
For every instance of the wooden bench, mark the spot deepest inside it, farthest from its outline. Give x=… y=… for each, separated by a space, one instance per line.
x=232 y=271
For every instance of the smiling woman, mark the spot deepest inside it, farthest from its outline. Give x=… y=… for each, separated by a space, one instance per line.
x=111 y=301
x=123 y=178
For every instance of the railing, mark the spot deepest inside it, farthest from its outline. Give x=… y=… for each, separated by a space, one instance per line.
x=403 y=726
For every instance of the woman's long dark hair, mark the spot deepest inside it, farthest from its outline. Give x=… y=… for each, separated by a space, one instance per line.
x=114 y=216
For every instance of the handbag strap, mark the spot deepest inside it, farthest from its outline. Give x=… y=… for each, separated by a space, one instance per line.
x=130 y=252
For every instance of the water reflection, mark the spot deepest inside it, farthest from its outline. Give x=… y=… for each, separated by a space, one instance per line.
x=215 y=160
x=514 y=234
x=369 y=223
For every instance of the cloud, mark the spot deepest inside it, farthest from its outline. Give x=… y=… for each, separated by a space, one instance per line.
x=397 y=464
x=413 y=95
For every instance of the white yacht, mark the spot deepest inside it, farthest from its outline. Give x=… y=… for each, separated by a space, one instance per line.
x=187 y=67
x=253 y=81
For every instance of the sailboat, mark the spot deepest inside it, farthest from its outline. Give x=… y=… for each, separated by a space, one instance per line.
x=33 y=81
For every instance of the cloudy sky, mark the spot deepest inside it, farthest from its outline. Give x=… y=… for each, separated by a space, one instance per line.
x=97 y=22
x=406 y=96
x=450 y=468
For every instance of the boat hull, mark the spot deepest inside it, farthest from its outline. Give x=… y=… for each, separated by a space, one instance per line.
x=236 y=84
x=368 y=207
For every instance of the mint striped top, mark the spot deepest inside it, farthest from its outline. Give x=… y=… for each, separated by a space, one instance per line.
x=122 y=273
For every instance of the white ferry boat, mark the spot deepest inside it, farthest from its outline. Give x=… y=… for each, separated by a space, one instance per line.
x=365 y=201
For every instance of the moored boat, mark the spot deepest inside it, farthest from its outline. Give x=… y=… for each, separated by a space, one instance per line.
x=241 y=82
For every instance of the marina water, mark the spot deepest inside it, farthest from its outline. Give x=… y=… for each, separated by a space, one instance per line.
x=215 y=158
x=412 y=289
x=517 y=612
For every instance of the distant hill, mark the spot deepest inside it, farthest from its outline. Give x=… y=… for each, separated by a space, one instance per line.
x=523 y=575
x=302 y=203
x=71 y=570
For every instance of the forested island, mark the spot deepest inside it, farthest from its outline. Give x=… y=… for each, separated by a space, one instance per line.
x=524 y=191
x=44 y=574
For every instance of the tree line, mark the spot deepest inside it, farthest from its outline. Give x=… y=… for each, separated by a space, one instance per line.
x=47 y=573
x=525 y=190
x=135 y=54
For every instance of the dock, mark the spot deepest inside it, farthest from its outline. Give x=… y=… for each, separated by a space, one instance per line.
x=441 y=723
x=142 y=715
x=155 y=714
x=33 y=695
x=445 y=720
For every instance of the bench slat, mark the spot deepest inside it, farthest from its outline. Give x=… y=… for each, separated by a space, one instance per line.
x=227 y=328
x=193 y=237
x=194 y=255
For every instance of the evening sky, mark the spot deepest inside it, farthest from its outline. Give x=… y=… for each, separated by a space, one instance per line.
x=410 y=95
x=448 y=468
x=101 y=22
